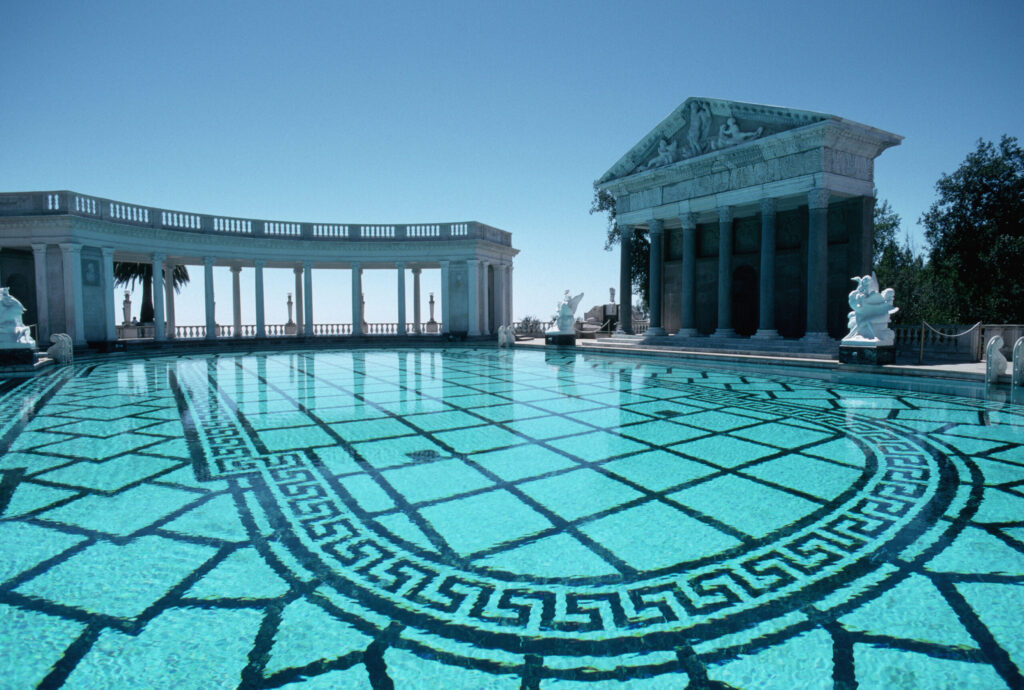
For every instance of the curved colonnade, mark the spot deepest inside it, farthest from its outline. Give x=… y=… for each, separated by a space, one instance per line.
x=71 y=241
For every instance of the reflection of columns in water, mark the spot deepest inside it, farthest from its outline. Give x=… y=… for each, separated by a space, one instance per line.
x=403 y=382
x=239 y=378
x=261 y=371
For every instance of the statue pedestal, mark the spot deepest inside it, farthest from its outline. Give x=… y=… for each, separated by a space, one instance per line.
x=290 y=328
x=17 y=355
x=559 y=338
x=851 y=354
x=431 y=326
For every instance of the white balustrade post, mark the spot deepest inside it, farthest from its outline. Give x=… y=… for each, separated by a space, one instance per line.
x=416 y=327
x=307 y=267
x=171 y=267
x=71 y=256
x=42 y=294
x=400 y=265
x=261 y=323
x=446 y=313
x=211 y=321
x=109 y=309
x=158 y=296
x=357 y=298
x=473 y=301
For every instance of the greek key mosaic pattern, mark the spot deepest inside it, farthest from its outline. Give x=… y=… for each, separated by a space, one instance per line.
x=475 y=518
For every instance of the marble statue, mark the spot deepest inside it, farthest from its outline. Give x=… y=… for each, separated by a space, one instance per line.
x=666 y=155
x=62 y=351
x=290 y=328
x=14 y=335
x=700 y=125
x=506 y=336
x=729 y=134
x=1018 y=363
x=995 y=362
x=565 y=315
x=126 y=308
x=869 y=320
x=611 y=295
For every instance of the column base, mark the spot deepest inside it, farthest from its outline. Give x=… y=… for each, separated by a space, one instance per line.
x=816 y=337
x=724 y=333
x=656 y=331
x=766 y=334
x=685 y=333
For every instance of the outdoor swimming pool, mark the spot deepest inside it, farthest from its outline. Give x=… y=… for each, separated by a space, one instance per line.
x=476 y=518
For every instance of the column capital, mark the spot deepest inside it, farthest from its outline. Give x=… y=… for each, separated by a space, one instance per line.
x=817 y=198
x=626 y=230
x=416 y=271
x=444 y=264
x=157 y=257
x=297 y=270
x=259 y=263
x=38 y=248
x=209 y=261
x=307 y=264
x=688 y=221
x=355 y=265
x=72 y=247
x=768 y=205
x=236 y=269
x=725 y=214
x=655 y=226
x=108 y=252
x=400 y=265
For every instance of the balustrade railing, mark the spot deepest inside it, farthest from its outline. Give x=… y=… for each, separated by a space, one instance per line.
x=145 y=331
x=73 y=203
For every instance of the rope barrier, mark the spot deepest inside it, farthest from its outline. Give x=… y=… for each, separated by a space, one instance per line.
x=920 y=354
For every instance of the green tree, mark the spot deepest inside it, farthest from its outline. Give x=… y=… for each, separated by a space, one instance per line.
x=975 y=231
x=640 y=268
x=127 y=273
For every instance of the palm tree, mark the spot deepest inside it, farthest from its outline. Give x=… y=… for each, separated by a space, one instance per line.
x=127 y=273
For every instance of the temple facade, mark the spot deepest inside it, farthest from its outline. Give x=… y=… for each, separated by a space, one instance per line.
x=757 y=217
x=58 y=249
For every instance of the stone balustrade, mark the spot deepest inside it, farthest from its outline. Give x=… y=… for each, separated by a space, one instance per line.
x=75 y=204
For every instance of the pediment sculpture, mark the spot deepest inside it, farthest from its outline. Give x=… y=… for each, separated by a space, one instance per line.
x=869 y=319
x=696 y=129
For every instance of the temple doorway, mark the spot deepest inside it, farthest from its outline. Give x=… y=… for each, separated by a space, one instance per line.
x=744 y=300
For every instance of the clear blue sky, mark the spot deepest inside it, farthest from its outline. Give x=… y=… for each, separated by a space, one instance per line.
x=499 y=112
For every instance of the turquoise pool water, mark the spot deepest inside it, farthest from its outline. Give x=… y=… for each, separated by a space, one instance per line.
x=502 y=519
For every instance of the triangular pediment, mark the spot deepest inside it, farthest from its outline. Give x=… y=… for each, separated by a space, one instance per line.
x=705 y=125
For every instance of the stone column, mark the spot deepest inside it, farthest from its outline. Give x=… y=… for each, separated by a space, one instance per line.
x=625 y=284
x=656 y=229
x=766 y=320
x=446 y=308
x=169 y=299
x=357 y=298
x=261 y=319
x=688 y=285
x=71 y=256
x=509 y=304
x=298 y=300
x=109 y=308
x=473 y=298
x=401 y=297
x=499 y=296
x=236 y=301
x=159 y=325
x=416 y=327
x=307 y=269
x=724 y=329
x=211 y=318
x=485 y=298
x=817 y=265
x=42 y=295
